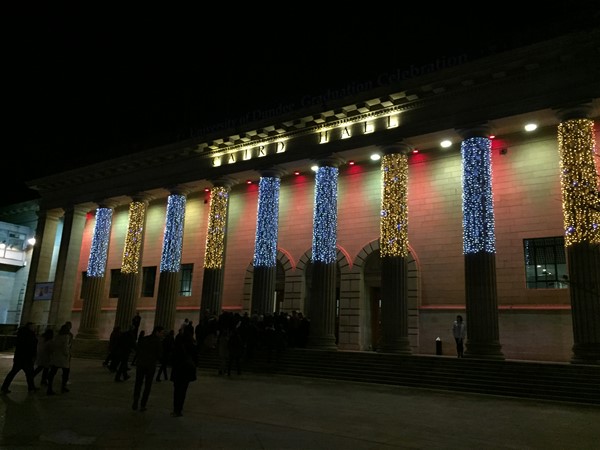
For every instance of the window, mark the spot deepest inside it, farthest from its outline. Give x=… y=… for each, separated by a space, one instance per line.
x=185 y=287
x=148 y=281
x=115 y=282
x=545 y=263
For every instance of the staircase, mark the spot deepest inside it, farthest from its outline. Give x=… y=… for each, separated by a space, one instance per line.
x=560 y=382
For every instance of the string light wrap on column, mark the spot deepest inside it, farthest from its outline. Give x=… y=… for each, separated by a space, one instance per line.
x=394 y=205
x=170 y=260
x=100 y=240
x=478 y=205
x=217 y=220
x=133 y=240
x=265 y=248
x=579 y=181
x=325 y=215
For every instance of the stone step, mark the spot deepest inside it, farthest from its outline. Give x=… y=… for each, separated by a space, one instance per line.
x=562 y=382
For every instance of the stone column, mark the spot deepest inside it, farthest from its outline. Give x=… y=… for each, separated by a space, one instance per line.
x=394 y=249
x=170 y=261
x=265 y=246
x=581 y=212
x=95 y=276
x=479 y=246
x=214 y=257
x=324 y=257
x=40 y=265
x=67 y=266
x=131 y=277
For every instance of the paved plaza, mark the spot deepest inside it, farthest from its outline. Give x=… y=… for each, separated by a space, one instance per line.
x=274 y=412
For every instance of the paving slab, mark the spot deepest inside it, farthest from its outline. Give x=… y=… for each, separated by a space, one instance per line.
x=277 y=412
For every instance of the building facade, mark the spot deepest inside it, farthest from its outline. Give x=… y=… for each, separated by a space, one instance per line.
x=17 y=230
x=351 y=212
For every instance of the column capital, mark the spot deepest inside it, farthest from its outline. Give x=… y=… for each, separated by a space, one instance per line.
x=272 y=172
x=396 y=147
x=479 y=130
x=142 y=197
x=330 y=161
x=54 y=214
x=224 y=182
x=179 y=190
x=108 y=203
x=577 y=111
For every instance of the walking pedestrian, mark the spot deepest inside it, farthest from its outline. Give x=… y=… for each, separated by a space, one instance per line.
x=24 y=357
x=112 y=346
x=165 y=360
x=44 y=355
x=148 y=353
x=184 y=368
x=125 y=345
x=60 y=359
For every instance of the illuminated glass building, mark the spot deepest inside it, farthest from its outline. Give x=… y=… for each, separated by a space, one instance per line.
x=501 y=225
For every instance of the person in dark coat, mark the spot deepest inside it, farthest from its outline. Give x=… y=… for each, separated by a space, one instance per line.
x=184 y=368
x=112 y=346
x=24 y=357
x=148 y=353
x=125 y=345
x=165 y=359
x=135 y=323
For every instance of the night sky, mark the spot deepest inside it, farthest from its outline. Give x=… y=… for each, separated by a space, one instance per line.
x=83 y=85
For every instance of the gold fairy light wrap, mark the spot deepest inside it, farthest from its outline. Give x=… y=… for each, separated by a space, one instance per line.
x=217 y=220
x=579 y=181
x=133 y=240
x=394 y=205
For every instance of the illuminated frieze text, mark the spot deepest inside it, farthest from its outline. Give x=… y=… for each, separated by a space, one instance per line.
x=248 y=153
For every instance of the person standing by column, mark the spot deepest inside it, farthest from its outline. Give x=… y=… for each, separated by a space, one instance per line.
x=459 y=331
x=24 y=358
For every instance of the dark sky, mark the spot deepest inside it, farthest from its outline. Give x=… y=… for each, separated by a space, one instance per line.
x=82 y=85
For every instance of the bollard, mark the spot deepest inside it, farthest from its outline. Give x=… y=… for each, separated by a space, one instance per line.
x=438 y=346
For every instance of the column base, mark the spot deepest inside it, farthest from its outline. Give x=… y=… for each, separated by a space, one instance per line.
x=484 y=351
x=89 y=347
x=87 y=334
x=322 y=343
x=586 y=354
x=400 y=346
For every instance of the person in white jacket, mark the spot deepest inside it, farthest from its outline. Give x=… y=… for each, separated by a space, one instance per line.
x=459 y=331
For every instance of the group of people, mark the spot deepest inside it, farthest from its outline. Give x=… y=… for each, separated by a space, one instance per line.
x=45 y=354
x=157 y=350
